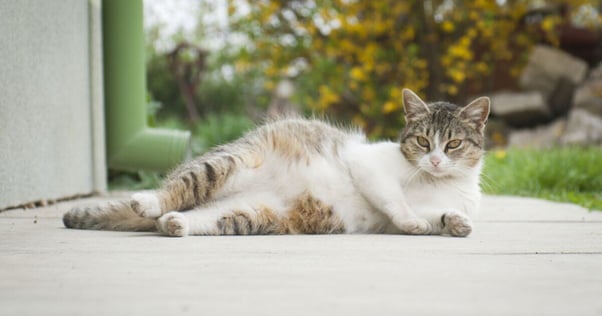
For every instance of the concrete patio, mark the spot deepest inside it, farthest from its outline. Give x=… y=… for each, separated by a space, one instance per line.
x=525 y=257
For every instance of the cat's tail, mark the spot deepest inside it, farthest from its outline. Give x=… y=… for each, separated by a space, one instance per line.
x=112 y=216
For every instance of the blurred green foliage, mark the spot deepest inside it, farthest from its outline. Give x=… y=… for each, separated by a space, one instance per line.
x=213 y=130
x=219 y=91
x=228 y=100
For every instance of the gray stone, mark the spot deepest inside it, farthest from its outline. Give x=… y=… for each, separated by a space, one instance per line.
x=520 y=109
x=560 y=99
x=555 y=74
x=532 y=80
x=583 y=128
x=589 y=97
x=596 y=72
x=541 y=137
x=547 y=65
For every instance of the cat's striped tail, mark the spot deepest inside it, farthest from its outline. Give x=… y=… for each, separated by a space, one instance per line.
x=111 y=216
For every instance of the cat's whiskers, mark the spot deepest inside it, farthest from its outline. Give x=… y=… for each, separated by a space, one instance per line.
x=463 y=170
x=413 y=175
x=488 y=183
x=462 y=191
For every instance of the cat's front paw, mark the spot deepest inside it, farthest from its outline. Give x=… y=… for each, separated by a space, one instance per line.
x=456 y=224
x=146 y=204
x=173 y=224
x=415 y=226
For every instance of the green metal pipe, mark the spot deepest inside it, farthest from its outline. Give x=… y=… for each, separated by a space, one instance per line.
x=131 y=144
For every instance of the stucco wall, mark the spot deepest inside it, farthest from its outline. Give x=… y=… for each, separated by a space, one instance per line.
x=51 y=117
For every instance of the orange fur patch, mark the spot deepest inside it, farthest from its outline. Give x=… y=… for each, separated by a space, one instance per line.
x=307 y=215
x=310 y=216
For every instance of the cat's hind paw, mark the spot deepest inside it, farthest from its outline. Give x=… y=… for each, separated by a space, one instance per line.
x=456 y=224
x=415 y=226
x=146 y=204
x=173 y=224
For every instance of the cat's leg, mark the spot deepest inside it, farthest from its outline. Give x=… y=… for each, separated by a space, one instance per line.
x=382 y=191
x=174 y=224
x=207 y=221
x=215 y=221
x=389 y=199
x=413 y=225
x=240 y=215
x=456 y=224
x=402 y=216
x=450 y=222
x=188 y=186
x=194 y=182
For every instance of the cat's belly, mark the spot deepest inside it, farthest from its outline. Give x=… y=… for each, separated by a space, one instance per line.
x=333 y=185
x=357 y=215
x=324 y=179
x=360 y=217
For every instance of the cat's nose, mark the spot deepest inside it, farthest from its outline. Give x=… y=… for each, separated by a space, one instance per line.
x=435 y=161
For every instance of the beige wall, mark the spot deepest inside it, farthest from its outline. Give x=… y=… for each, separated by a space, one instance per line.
x=51 y=114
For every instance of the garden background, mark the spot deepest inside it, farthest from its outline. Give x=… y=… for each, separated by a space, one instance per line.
x=218 y=68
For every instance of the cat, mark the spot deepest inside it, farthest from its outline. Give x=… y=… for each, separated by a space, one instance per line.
x=305 y=176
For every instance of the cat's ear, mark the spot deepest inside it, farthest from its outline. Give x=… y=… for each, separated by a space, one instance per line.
x=476 y=112
x=413 y=106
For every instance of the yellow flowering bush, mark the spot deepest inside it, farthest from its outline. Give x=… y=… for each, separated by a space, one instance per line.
x=351 y=58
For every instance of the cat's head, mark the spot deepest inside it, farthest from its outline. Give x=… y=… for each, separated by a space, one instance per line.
x=441 y=138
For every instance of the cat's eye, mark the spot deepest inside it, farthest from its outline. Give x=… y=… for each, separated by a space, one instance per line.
x=453 y=144
x=422 y=141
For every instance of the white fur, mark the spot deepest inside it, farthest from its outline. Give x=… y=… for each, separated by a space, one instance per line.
x=173 y=224
x=399 y=190
x=371 y=187
x=148 y=204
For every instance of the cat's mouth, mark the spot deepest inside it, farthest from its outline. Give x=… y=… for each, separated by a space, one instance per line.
x=437 y=172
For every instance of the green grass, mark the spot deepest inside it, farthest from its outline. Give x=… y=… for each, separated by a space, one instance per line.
x=563 y=174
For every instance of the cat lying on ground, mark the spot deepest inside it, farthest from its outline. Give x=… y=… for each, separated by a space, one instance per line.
x=298 y=176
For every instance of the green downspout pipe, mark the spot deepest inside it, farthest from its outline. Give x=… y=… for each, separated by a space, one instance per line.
x=131 y=143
